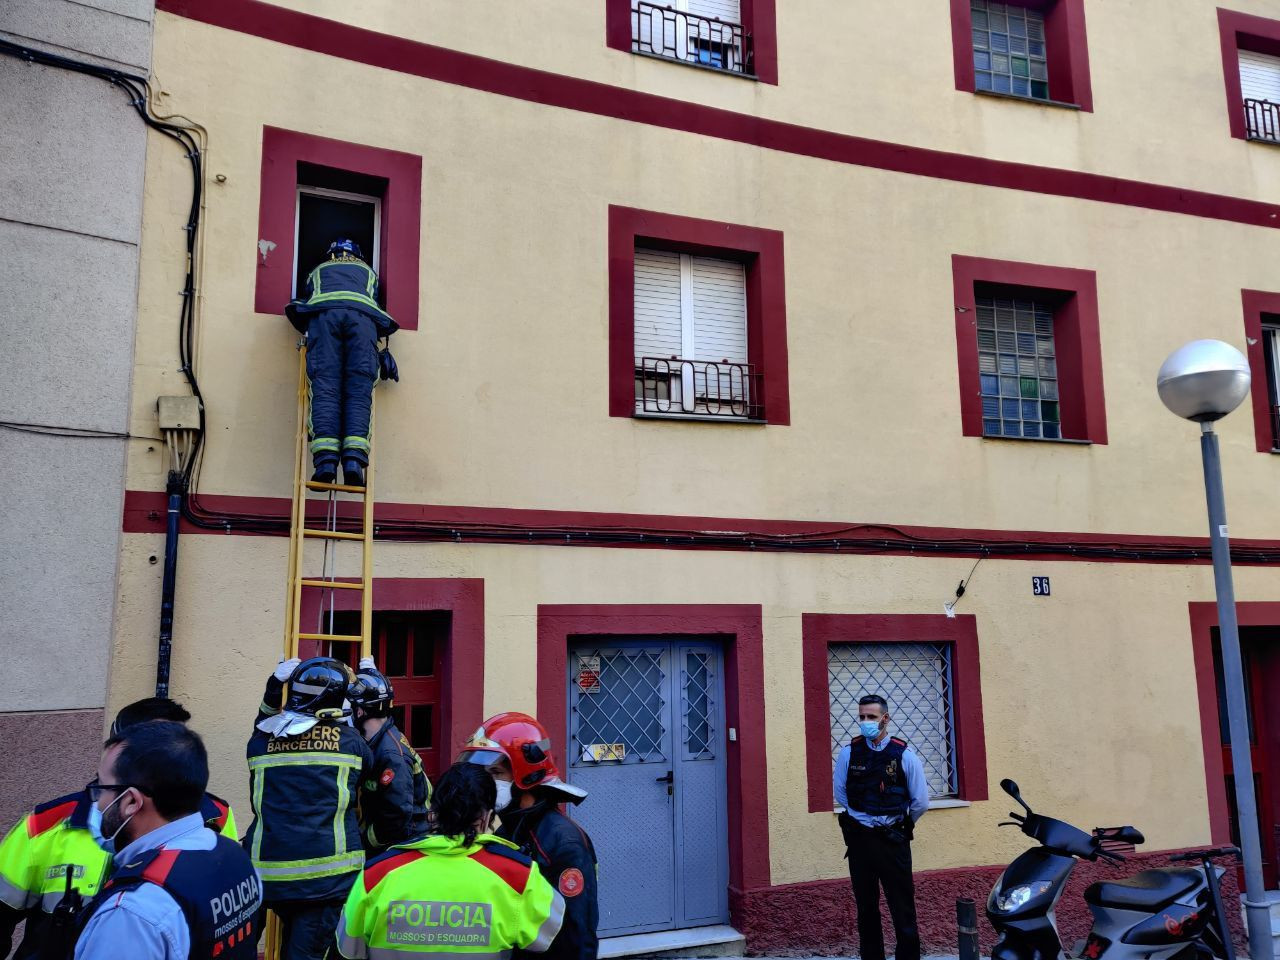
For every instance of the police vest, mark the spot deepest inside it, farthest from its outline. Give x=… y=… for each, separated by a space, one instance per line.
x=876 y=784
x=346 y=282
x=437 y=896
x=217 y=890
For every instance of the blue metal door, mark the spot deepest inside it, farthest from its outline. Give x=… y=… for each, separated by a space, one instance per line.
x=646 y=739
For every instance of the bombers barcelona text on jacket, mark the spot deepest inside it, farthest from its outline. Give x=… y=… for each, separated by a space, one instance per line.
x=305 y=836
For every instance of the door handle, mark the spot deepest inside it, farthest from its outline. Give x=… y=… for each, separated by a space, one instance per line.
x=669 y=779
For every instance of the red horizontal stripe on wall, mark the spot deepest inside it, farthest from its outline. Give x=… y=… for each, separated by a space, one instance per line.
x=333 y=38
x=144 y=512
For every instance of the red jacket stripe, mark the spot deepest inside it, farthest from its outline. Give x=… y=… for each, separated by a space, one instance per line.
x=515 y=874
x=373 y=874
x=157 y=871
x=38 y=823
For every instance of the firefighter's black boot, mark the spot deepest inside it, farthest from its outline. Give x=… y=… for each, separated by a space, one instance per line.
x=353 y=473
x=326 y=470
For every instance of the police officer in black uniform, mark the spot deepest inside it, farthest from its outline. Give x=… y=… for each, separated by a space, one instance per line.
x=393 y=805
x=516 y=749
x=880 y=782
x=306 y=767
x=177 y=887
x=340 y=315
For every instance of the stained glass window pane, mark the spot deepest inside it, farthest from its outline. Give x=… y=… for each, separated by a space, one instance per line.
x=1017 y=369
x=1000 y=30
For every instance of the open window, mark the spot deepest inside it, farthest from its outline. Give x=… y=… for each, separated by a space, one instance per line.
x=1251 y=72
x=323 y=215
x=314 y=190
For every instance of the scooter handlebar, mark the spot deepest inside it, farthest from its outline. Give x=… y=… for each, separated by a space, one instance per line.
x=1227 y=851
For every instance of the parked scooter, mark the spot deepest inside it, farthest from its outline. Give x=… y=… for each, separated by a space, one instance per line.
x=1159 y=914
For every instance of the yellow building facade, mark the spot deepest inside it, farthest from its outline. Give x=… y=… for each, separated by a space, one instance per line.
x=715 y=348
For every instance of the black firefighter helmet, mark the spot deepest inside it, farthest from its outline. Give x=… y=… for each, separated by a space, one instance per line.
x=320 y=683
x=372 y=693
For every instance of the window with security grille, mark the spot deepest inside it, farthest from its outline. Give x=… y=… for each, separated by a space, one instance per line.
x=1018 y=369
x=1009 y=49
x=915 y=678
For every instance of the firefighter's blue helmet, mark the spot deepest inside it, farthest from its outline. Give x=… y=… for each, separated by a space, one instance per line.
x=343 y=247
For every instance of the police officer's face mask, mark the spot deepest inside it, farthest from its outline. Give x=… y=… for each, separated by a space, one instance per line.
x=107 y=824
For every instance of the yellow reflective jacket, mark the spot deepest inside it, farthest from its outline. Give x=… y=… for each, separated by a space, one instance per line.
x=35 y=855
x=437 y=896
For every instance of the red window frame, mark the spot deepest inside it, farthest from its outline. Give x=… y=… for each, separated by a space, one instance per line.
x=1236 y=32
x=1258 y=304
x=1076 y=338
x=759 y=19
x=820 y=630
x=401 y=234
x=460 y=677
x=1066 y=49
x=761 y=252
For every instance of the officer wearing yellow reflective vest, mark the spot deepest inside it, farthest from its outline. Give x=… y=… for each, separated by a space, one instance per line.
x=460 y=891
x=340 y=315
x=305 y=769
x=66 y=834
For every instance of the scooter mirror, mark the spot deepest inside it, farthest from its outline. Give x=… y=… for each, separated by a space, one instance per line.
x=1009 y=787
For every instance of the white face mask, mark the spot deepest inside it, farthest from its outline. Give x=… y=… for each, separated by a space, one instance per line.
x=504 y=795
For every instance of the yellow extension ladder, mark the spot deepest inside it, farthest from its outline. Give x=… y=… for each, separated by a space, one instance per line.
x=331 y=536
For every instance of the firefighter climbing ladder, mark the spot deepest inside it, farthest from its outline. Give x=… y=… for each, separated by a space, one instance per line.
x=332 y=537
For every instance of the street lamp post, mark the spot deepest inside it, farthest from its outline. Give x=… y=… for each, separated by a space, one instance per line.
x=1203 y=382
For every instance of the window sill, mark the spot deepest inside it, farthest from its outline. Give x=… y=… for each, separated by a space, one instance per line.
x=1017 y=96
x=1061 y=440
x=1273 y=141
x=698 y=418
x=697 y=66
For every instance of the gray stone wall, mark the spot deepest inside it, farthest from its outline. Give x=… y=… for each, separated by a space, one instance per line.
x=72 y=151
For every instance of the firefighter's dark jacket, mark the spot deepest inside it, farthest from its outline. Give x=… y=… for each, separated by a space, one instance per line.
x=342 y=282
x=305 y=837
x=393 y=806
x=566 y=857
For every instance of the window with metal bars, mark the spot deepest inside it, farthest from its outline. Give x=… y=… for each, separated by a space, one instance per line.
x=916 y=680
x=1271 y=354
x=1018 y=369
x=1009 y=53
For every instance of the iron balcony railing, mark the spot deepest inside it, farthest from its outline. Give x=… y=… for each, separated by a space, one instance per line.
x=1262 y=120
x=676 y=35
x=669 y=386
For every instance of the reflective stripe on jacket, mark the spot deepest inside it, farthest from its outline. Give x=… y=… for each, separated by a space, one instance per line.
x=346 y=282
x=436 y=896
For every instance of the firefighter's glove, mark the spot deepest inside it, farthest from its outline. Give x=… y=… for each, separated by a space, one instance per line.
x=387 y=369
x=285 y=669
x=366 y=663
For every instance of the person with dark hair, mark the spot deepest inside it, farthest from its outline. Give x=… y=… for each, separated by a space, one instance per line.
x=177 y=889
x=306 y=768
x=880 y=783
x=63 y=833
x=516 y=750
x=458 y=891
x=393 y=807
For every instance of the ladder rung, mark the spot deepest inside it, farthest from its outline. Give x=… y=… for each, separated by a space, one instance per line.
x=330 y=637
x=340 y=487
x=331 y=534
x=333 y=584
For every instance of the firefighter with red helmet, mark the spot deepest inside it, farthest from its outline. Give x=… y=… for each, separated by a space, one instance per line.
x=516 y=750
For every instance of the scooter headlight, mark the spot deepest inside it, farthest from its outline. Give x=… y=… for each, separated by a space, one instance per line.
x=1013 y=898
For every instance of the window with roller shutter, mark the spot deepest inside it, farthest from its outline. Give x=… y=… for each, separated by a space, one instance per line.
x=708 y=33
x=1260 y=89
x=697 y=319
x=691 y=335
